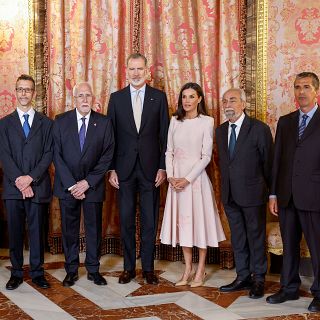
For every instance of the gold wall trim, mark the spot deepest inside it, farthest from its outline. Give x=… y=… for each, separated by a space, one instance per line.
x=261 y=72
x=31 y=44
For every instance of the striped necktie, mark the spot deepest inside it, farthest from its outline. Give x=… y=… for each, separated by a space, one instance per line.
x=302 y=125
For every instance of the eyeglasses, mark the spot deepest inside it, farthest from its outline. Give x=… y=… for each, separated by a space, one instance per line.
x=25 y=90
x=84 y=96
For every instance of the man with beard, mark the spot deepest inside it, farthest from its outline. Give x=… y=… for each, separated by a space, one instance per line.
x=245 y=158
x=26 y=153
x=139 y=114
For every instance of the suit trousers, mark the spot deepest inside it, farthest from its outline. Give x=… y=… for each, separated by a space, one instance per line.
x=70 y=221
x=18 y=211
x=138 y=185
x=248 y=235
x=292 y=223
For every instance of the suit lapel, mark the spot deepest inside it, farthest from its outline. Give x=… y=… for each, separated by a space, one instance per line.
x=74 y=130
x=16 y=123
x=224 y=136
x=245 y=127
x=312 y=125
x=127 y=109
x=91 y=130
x=146 y=106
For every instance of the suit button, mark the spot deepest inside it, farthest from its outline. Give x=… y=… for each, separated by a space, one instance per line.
x=135 y=150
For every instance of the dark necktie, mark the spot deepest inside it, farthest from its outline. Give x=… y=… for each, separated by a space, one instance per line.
x=26 y=126
x=82 y=133
x=302 y=125
x=232 y=141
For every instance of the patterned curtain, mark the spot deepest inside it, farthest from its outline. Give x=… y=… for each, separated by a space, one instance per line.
x=184 y=40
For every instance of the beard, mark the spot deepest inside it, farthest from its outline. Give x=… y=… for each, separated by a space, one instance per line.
x=230 y=114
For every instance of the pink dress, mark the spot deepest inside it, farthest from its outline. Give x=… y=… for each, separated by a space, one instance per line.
x=191 y=216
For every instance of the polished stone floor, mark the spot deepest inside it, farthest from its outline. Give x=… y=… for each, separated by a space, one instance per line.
x=138 y=300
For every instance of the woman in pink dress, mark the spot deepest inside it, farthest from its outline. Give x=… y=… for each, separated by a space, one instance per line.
x=190 y=216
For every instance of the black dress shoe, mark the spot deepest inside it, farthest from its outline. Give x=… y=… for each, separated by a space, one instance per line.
x=282 y=296
x=314 y=305
x=150 y=277
x=237 y=285
x=13 y=283
x=126 y=276
x=70 y=279
x=97 y=279
x=41 y=282
x=257 y=290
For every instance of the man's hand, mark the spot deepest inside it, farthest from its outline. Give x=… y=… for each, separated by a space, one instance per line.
x=160 y=177
x=113 y=179
x=273 y=206
x=23 y=182
x=79 y=189
x=27 y=193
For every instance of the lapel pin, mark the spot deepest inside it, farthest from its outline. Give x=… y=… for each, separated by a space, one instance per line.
x=95 y=124
x=151 y=99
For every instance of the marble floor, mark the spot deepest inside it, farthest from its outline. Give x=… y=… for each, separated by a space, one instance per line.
x=137 y=300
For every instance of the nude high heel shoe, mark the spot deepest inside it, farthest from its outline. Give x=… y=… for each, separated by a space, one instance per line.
x=195 y=284
x=184 y=282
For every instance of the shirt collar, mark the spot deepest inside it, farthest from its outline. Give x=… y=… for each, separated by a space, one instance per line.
x=310 y=113
x=80 y=116
x=238 y=123
x=30 y=112
x=134 y=90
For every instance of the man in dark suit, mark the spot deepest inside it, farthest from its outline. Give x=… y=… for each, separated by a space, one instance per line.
x=139 y=114
x=83 y=150
x=245 y=156
x=26 y=153
x=295 y=189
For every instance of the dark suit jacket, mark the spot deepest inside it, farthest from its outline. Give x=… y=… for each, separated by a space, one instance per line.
x=248 y=174
x=31 y=156
x=151 y=141
x=296 y=168
x=72 y=165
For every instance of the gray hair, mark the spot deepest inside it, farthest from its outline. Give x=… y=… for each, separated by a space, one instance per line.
x=137 y=55
x=76 y=86
x=240 y=91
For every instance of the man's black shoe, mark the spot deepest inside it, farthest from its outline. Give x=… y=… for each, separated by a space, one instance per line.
x=13 y=283
x=126 y=276
x=237 y=285
x=314 y=305
x=97 y=278
x=70 y=279
x=41 y=282
x=257 y=290
x=282 y=296
x=150 y=276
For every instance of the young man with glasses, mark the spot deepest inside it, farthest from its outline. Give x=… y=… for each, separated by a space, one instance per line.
x=26 y=153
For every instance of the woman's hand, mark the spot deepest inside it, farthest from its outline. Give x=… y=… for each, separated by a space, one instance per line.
x=178 y=184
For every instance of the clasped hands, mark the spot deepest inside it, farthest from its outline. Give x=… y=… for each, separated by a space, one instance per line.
x=79 y=189
x=178 y=184
x=23 y=184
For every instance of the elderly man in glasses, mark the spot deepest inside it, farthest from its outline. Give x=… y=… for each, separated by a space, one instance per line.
x=25 y=154
x=83 y=150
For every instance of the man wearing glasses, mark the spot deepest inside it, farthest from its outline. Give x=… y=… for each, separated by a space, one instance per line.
x=26 y=153
x=83 y=150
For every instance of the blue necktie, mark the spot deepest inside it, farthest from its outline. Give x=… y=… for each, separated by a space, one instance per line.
x=232 y=141
x=302 y=125
x=26 y=126
x=82 y=133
